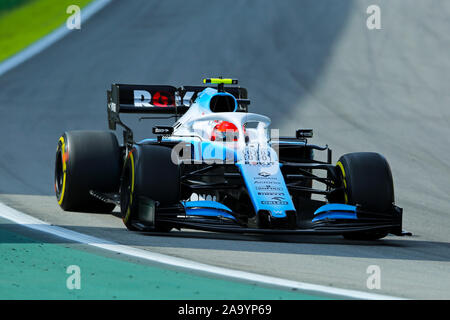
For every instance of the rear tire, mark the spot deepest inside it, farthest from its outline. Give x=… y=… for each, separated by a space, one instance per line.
x=86 y=160
x=367 y=181
x=148 y=173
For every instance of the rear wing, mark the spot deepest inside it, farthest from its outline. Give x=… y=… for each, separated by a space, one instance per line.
x=158 y=99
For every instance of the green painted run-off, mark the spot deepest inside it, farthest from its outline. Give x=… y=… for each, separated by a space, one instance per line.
x=31 y=269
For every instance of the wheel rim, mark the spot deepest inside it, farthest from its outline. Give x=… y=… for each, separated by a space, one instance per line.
x=59 y=174
x=125 y=193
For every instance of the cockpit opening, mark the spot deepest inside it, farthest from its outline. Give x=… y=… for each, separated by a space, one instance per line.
x=222 y=103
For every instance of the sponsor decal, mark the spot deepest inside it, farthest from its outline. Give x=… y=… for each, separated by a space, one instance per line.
x=266 y=182
x=265 y=178
x=143 y=98
x=274 y=202
x=269 y=187
x=271 y=194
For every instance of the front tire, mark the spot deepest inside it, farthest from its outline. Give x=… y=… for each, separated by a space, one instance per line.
x=149 y=174
x=367 y=181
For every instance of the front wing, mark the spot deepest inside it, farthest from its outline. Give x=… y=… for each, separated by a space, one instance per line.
x=329 y=219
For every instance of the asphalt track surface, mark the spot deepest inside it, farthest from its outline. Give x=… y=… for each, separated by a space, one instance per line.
x=305 y=64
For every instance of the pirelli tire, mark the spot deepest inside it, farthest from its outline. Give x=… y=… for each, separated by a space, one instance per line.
x=149 y=174
x=85 y=161
x=368 y=182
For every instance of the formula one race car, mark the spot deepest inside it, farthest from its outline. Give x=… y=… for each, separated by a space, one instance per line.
x=220 y=168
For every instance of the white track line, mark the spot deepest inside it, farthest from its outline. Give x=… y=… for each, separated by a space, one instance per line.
x=50 y=39
x=36 y=224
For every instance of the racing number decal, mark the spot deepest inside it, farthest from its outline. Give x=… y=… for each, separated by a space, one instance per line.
x=256 y=155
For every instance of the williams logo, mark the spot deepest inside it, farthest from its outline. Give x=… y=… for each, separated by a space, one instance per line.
x=264 y=174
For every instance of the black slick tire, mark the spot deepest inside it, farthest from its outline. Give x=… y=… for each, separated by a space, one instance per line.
x=85 y=161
